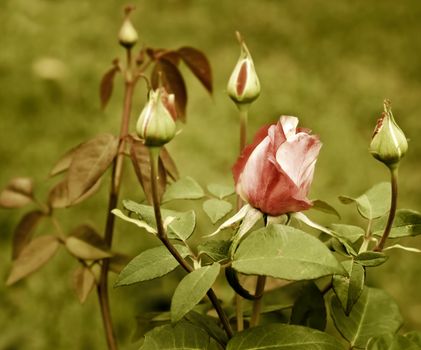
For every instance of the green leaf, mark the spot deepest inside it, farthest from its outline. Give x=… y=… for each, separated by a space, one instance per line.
x=348 y=288
x=217 y=250
x=192 y=289
x=181 y=227
x=342 y=245
x=147 y=321
x=406 y=223
x=402 y=247
x=374 y=314
x=208 y=324
x=392 y=342
x=284 y=252
x=216 y=209
x=32 y=257
x=349 y=232
x=283 y=337
x=415 y=337
x=233 y=220
x=185 y=188
x=371 y=259
x=180 y=336
x=309 y=309
x=221 y=191
x=372 y=204
x=139 y=223
x=150 y=264
x=325 y=208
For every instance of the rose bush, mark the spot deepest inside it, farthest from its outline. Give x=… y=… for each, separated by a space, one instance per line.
x=275 y=172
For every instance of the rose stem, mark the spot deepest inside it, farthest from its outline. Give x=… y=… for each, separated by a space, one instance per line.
x=260 y=289
x=257 y=305
x=243 y=140
x=117 y=169
x=244 y=109
x=392 y=212
x=154 y=158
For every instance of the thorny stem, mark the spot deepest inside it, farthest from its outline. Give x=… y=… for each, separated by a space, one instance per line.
x=393 y=205
x=116 y=174
x=154 y=157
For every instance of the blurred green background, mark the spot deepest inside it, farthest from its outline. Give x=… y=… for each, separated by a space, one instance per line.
x=331 y=63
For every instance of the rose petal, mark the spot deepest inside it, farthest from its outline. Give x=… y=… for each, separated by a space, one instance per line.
x=297 y=154
x=289 y=125
x=275 y=172
x=245 y=154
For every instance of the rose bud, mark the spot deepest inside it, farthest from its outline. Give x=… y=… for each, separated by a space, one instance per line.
x=156 y=124
x=244 y=86
x=127 y=36
x=275 y=172
x=388 y=144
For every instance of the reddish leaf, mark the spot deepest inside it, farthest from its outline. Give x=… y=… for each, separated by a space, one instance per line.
x=139 y=154
x=106 y=86
x=59 y=195
x=24 y=230
x=83 y=282
x=85 y=243
x=18 y=193
x=64 y=162
x=199 y=65
x=173 y=82
x=169 y=164
x=154 y=53
x=118 y=262
x=90 y=192
x=89 y=163
x=33 y=256
x=10 y=199
x=23 y=185
x=171 y=56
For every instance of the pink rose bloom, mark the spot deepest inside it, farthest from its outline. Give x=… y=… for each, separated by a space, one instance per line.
x=275 y=172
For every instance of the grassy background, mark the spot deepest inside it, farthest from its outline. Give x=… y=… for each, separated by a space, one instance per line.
x=330 y=63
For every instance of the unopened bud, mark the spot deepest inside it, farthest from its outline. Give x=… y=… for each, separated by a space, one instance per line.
x=127 y=36
x=243 y=85
x=388 y=143
x=155 y=124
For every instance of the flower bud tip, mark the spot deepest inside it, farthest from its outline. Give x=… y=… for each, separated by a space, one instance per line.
x=389 y=143
x=127 y=35
x=243 y=86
